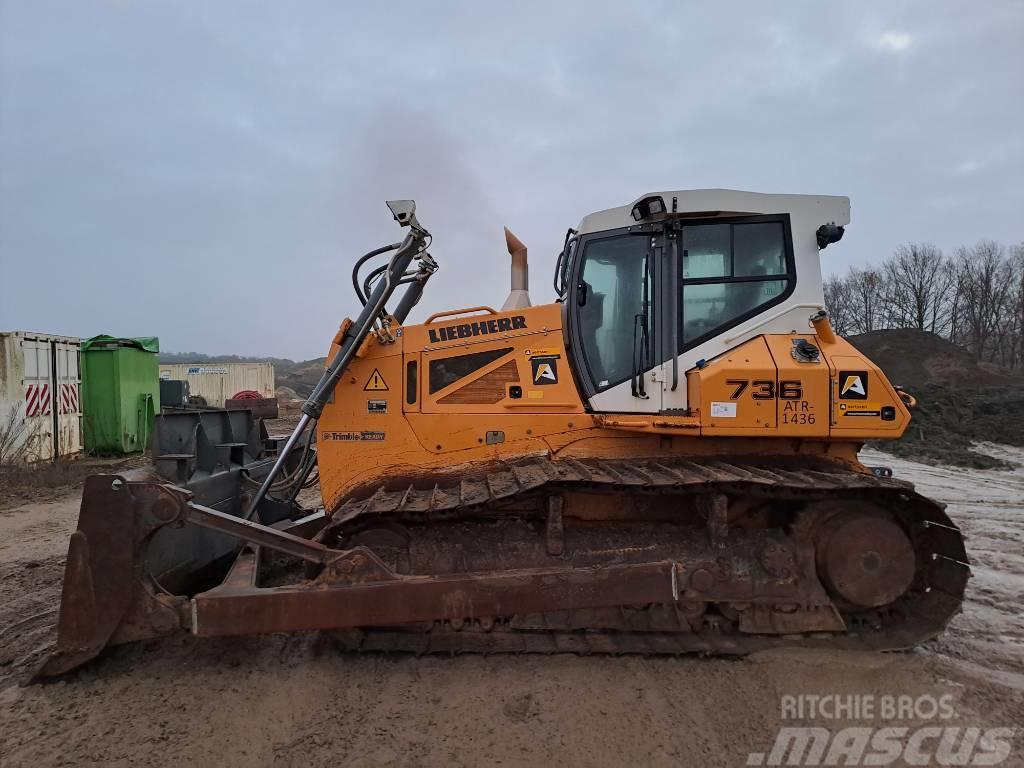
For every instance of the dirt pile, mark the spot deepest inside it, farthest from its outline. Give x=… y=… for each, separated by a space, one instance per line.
x=948 y=421
x=302 y=377
x=912 y=359
x=961 y=401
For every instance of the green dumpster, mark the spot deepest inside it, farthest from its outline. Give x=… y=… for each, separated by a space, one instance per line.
x=120 y=393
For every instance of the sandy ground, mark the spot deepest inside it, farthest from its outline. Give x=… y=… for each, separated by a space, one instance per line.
x=285 y=701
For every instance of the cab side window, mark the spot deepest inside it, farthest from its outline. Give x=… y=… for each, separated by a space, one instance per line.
x=609 y=298
x=730 y=272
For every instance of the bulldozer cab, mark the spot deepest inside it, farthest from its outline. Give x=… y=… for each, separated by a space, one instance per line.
x=680 y=280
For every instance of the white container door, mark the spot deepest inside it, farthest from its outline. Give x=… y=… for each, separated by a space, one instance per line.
x=38 y=399
x=69 y=406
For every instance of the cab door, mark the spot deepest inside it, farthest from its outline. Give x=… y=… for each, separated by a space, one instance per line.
x=613 y=330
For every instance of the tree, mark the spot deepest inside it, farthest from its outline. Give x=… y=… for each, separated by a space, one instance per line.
x=985 y=285
x=1017 y=305
x=867 y=299
x=917 y=287
x=975 y=299
x=839 y=303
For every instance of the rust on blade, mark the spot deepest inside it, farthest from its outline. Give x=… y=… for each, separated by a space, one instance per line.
x=233 y=610
x=103 y=577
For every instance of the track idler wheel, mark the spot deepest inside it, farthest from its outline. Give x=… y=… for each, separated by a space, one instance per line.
x=864 y=558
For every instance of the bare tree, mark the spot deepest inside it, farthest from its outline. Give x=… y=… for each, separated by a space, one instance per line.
x=1017 y=305
x=839 y=302
x=867 y=299
x=975 y=300
x=14 y=443
x=917 y=287
x=985 y=285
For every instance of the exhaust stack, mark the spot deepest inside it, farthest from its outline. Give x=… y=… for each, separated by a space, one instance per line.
x=519 y=296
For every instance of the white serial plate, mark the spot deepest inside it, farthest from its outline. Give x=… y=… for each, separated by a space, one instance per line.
x=723 y=410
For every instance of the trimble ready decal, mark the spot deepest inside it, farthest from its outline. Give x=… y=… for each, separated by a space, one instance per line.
x=853 y=385
x=480 y=328
x=348 y=437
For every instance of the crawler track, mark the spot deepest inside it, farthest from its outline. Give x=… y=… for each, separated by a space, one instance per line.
x=447 y=524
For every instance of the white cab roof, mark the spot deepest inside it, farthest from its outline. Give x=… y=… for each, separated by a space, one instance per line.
x=727 y=202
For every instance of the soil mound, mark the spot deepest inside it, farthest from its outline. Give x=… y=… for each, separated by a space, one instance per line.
x=302 y=377
x=949 y=420
x=961 y=401
x=912 y=358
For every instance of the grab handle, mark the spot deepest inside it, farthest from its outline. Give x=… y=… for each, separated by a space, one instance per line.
x=451 y=312
x=908 y=399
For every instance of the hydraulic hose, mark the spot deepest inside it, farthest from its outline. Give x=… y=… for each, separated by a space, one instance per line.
x=362 y=260
x=410 y=248
x=372 y=277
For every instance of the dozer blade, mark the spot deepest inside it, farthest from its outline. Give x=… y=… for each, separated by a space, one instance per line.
x=135 y=530
x=126 y=567
x=104 y=599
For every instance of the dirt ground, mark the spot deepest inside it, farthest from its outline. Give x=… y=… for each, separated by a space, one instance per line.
x=284 y=701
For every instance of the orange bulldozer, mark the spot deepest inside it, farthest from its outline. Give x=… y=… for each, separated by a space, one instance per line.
x=663 y=460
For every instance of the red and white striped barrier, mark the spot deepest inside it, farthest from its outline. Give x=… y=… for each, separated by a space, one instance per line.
x=39 y=403
x=68 y=398
x=37 y=400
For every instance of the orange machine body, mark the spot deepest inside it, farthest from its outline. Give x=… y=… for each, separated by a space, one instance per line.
x=461 y=391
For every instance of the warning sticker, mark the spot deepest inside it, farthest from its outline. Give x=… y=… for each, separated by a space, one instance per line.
x=376 y=383
x=723 y=410
x=376 y=406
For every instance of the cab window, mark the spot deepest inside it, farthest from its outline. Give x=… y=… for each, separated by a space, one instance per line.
x=730 y=272
x=610 y=294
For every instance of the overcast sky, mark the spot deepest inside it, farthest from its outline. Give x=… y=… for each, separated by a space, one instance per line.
x=208 y=172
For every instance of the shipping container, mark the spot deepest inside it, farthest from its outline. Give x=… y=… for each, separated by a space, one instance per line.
x=120 y=392
x=217 y=383
x=40 y=396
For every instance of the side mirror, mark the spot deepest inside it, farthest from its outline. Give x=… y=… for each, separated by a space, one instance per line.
x=828 y=234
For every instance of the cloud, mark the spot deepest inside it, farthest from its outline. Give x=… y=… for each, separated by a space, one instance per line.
x=210 y=173
x=894 y=42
